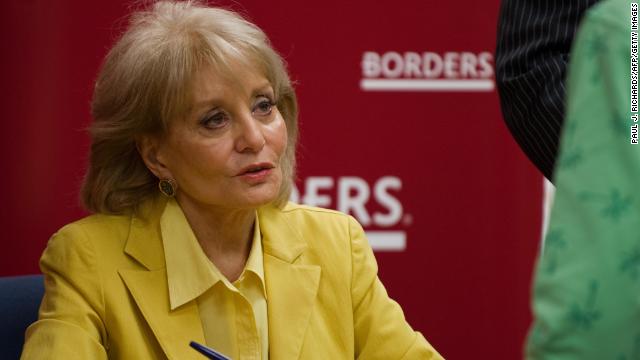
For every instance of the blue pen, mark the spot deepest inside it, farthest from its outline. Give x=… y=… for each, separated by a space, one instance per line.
x=208 y=352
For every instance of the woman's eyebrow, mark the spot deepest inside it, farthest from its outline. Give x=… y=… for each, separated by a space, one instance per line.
x=205 y=104
x=201 y=107
x=208 y=103
x=262 y=89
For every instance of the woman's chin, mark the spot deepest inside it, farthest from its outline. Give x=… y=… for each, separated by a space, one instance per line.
x=256 y=198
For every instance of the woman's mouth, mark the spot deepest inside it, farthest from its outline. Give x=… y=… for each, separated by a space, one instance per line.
x=256 y=173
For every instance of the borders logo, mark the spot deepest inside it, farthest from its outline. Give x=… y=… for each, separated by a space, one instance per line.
x=427 y=71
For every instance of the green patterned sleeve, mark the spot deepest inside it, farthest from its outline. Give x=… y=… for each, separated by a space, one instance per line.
x=587 y=283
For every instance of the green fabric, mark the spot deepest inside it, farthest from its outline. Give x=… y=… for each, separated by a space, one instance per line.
x=587 y=283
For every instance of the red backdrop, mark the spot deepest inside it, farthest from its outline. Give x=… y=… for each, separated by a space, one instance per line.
x=459 y=202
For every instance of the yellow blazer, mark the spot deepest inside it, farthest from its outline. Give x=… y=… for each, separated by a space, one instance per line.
x=107 y=296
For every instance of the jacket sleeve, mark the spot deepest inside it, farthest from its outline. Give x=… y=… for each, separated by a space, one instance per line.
x=70 y=322
x=381 y=331
x=587 y=280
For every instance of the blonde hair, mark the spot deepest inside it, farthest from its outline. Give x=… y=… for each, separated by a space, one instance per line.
x=144 y=83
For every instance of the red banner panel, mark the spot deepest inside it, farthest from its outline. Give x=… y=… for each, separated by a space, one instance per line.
x=400 y=127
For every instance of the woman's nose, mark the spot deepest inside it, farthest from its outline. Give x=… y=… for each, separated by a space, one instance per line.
x=250 y=137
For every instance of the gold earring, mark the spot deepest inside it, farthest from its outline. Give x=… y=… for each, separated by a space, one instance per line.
x=168 y=187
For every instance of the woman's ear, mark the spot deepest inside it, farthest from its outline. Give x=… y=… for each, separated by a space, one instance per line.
x=149 y=148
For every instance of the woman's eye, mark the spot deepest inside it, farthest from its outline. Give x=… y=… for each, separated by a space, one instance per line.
x=214 y=121
x=264 y=107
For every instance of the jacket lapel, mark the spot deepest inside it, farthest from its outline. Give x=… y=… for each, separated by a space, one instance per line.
x=291 y=287
x=173 y=329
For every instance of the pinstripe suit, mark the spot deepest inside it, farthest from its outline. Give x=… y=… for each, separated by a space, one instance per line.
x=534 y=39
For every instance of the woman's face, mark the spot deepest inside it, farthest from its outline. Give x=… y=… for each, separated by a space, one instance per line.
x=226 y=151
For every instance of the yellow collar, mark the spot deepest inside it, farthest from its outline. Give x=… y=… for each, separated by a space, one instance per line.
x=189 y=271
x=280 y=236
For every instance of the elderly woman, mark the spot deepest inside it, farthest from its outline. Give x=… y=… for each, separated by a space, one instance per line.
x=192 y=161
